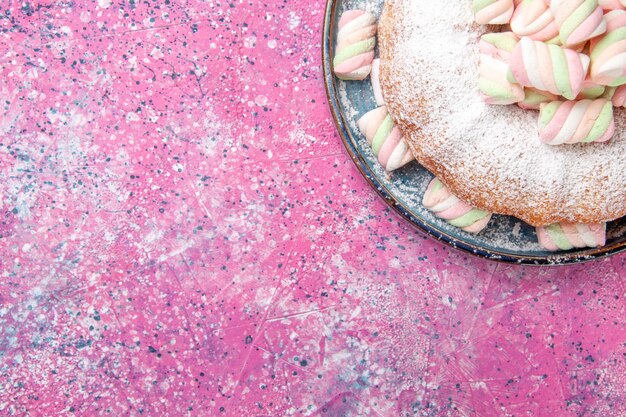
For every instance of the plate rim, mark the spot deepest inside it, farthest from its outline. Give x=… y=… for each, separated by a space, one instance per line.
x=419 y=223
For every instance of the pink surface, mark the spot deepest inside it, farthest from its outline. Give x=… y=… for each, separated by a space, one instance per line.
x=183 y=233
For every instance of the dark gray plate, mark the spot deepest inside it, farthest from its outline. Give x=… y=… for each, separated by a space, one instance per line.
x=506 y=239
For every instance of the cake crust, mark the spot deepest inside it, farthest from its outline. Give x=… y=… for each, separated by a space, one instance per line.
x=489 y=156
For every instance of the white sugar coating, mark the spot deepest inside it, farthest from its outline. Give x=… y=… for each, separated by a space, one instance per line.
x=489 y=155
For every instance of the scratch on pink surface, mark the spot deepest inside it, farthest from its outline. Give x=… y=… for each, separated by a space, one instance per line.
x=182 y=233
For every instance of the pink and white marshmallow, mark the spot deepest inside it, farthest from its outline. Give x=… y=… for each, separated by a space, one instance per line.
x=456 y=212
x=356 y=40
x=578 y=20
x=386 y=139
x=533 y=98
x=492 y=12
x=565 y=236
x=533 y=18
x=576 y=121
x=549 y=68
x=590 y=90
x=608 y=53
x=493 y=82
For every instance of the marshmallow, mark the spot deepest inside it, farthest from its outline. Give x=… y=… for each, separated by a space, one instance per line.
x=591 y=90
x=533 y=18
x=608 y=53
x=578 y=20
x=495 y=53
x=356 y=40
x=492 y=12
x=385 y=138
x=549 y=68
x=533 y=98
x=565 y=236
x=576 y=121
x=447 y=206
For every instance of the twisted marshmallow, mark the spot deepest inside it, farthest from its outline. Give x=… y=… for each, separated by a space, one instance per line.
x=617 y=95
x=608 y=54
x=492 y=12
x=495 y=53
x=533 y=98
x=356 y=40
x=564 y=236
x=447 y=206
x=533 y=18
x=591 y=90
x=576 y=121
x=612 y=4
x=375 y=78
x=385 y=138
x=549 y=68
x=578 y=20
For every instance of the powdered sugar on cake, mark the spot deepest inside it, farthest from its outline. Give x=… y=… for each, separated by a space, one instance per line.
x=490 y=155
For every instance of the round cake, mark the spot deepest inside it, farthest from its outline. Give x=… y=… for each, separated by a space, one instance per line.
x=488 y=155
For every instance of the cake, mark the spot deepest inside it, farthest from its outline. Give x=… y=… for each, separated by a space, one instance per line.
x=490 y=156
